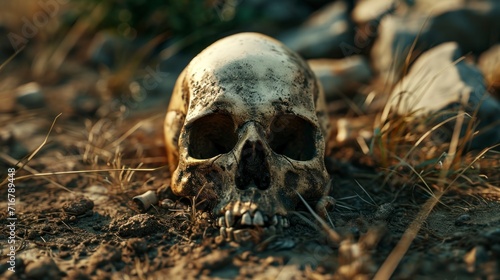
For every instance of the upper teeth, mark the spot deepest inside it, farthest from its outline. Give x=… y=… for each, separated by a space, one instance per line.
x=257 y=219
x=246 y=219
x=229 y=218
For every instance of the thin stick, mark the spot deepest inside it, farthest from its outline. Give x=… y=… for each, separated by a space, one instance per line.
x=334 y=236
x=25 y=166
x=392 y=261
x=11 y=57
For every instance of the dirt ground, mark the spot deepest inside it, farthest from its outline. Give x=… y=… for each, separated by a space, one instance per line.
x=92 y=229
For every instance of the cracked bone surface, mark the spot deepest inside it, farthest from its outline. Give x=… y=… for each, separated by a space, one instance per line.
x=245 y=131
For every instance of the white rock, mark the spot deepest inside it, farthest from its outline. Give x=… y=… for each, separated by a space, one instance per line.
x=473 y=25
x=368 y=10
x=30 y=96
x=437 y=83
x=323 y=34
x=489 y=63
x=341 y=77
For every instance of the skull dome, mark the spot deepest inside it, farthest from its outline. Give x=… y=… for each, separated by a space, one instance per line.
x=245 y=131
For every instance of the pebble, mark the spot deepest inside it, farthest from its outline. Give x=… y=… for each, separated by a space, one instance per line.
x=463 y=220
x=371 y=10
x=30 y=96
x=324 y=34
x=342 y=77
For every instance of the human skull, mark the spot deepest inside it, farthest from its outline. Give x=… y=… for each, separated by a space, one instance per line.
x=245 y=130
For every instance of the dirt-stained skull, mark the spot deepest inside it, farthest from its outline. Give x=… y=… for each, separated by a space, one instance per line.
x=245 y=130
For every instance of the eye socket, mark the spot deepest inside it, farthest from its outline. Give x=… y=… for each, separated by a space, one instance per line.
x=210 y=136
x=293 y=137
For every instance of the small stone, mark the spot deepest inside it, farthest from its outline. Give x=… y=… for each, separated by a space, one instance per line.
x=78 y=206
x=371 y=10
x=384 y=211
x=463 y=220
x=341 y=77
x=30 y=96
x=324 y=34
x=168 y=204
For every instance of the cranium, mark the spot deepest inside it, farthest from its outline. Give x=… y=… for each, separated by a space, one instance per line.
x=245 y=130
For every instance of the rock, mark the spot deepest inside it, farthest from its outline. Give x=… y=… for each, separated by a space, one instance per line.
x=489 y=63
x=78 y=206
x=473 y=25
x=43 y=269
x=367 y=16
x=30 y=96
x=371 y=10
x=324 y=34
x=437 y=83
x=463 y=220
x=341 y=77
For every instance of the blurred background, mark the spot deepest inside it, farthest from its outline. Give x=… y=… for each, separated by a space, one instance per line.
x=91 y=59
x=72 y=56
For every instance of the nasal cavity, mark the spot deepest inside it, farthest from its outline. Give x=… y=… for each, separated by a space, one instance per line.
x=252 y=168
